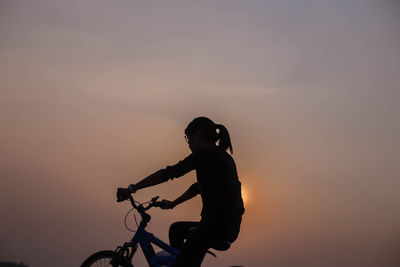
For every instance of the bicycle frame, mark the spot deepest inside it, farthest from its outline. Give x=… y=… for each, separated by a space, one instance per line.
x=123 y=255
x=145 y=239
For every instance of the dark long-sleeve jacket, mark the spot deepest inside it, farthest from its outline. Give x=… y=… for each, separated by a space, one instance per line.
x=217 y=181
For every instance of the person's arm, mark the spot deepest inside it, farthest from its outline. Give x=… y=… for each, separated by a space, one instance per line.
x=170 y=172
x=190 y=193
x=153 y=179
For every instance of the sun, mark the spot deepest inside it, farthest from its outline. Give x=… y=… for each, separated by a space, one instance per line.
x=244 y=195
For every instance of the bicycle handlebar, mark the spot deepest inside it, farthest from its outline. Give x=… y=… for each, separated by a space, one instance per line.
x=153 y=203
x=142 y=209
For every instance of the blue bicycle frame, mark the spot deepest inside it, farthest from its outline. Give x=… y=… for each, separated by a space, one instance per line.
x=123 y=255
x=145 y=239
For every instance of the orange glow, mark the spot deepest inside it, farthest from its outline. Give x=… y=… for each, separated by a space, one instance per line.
x=245 y=195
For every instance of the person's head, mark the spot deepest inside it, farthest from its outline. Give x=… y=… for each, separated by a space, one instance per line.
x=202 y=132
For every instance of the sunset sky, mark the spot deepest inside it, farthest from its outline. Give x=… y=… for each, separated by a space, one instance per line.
x=96 y=94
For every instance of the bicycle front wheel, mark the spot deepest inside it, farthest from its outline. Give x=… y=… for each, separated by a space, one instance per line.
x=104 y=258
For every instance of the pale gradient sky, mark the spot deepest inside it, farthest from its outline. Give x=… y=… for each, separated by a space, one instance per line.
x=95 y=94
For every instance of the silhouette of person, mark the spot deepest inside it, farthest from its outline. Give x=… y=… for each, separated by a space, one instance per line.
x=218 y=185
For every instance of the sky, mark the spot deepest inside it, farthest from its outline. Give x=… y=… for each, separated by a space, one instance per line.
x=96 y=94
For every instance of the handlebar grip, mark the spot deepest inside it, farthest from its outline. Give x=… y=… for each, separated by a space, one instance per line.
x=157 y=204
x=120 y=199
x=120 y=195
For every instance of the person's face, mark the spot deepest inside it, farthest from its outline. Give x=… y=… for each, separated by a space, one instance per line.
x=194 y=140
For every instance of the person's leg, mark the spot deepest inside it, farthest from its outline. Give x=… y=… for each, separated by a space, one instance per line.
x=210 y=231
x=194 y=249
x=200 y=240
x=178 y=232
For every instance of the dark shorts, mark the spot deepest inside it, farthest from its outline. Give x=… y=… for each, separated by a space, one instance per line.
x=210 y=231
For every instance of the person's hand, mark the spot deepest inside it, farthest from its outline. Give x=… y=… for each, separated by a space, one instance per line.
x=123 y=194
x=166 y=204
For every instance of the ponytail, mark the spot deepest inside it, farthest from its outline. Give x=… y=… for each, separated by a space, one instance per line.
x=211 y=131
x=224 y=138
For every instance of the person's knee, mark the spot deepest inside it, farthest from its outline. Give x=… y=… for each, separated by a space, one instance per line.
x=174 y=228
x=177 y=234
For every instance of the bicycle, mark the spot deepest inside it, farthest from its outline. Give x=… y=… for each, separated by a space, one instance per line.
x=123 y=255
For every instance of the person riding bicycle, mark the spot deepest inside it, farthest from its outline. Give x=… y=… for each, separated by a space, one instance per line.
x=218 y=185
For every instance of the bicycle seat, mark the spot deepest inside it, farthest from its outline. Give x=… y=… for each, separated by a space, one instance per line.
x=222 y=246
